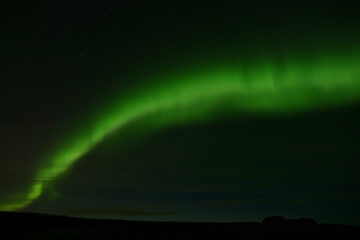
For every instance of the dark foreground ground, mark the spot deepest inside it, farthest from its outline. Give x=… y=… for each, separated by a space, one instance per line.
x=41 y=226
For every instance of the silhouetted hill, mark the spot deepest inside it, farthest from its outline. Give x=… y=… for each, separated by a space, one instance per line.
x=282 y=220
x=44 y=226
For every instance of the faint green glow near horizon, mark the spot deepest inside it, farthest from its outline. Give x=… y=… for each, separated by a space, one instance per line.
x=264 y=88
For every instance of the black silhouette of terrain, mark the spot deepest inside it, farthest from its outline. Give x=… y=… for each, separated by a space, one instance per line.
x=44 y=226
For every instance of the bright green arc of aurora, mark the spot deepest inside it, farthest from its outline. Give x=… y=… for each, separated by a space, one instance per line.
x=263 y=88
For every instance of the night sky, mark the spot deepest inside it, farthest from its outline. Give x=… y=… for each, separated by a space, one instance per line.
x=181 y=111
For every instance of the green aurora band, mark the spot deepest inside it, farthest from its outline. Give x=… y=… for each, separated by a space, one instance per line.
x=296 y=85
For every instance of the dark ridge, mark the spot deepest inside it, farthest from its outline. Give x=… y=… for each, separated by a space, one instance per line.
x=282 y=220
x=46 y=226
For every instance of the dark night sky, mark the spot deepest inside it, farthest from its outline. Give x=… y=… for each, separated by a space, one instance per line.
x=65 y=62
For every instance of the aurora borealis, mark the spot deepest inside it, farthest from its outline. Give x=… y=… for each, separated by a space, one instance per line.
x=268 y=79
x=194 y=97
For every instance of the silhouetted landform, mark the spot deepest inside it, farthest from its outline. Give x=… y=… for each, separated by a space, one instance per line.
x=283 y=221
x=44 y=226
